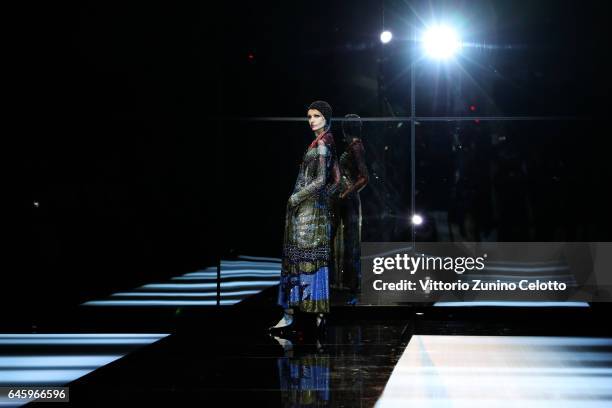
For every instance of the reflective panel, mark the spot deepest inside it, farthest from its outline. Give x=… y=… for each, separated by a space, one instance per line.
x=511 y=181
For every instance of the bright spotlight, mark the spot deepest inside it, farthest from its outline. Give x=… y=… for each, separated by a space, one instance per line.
x=441 y=42
x=386 y=36
x=417 y=219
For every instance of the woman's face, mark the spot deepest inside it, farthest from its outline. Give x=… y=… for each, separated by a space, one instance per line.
x=315 y=120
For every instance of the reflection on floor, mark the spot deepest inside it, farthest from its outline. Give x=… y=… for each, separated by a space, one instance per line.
x=348 y=369
x=241 y=365
x=502 y=371
x=232 y=359
x=57 y=359
x=240 y=279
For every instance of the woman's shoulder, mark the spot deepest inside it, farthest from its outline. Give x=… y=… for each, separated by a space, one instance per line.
x=327 y=139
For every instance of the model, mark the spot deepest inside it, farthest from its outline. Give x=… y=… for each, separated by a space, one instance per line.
x=304 y=282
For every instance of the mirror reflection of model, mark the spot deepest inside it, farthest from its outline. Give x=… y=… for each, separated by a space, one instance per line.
x=304 y=283
x=347 y=207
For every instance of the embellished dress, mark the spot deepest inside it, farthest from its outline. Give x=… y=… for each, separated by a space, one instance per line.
x=304 y=282
x=347 y=239
x=304 y=380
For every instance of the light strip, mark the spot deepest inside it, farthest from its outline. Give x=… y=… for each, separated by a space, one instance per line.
x=251 y=264
x=187 y=294
x=204 y=285
x=232 y=271
x=225 y=275
x=82 y=335
x=487 y=303
x=64 y=361
x=259 y=258
x=159 y=302
x=46 y=377
x=56 y=342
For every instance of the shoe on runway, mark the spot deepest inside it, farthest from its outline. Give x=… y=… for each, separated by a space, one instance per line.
x=286 y=322
x=283 y=331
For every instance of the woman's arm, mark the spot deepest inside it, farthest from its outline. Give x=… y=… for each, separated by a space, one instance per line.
x=332 y=190
x=315 y=186
x=362 y=178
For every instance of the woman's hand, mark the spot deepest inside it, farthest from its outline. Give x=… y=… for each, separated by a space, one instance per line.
x=348 y=188
x=293 y=201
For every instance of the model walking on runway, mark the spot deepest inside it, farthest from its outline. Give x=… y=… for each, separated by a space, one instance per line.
x=304 y=282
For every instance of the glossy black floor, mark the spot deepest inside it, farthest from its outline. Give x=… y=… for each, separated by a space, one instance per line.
x=224 y=357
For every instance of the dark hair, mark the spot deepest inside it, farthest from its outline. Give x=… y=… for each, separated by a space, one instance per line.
x=325 y=110
x=352 y=127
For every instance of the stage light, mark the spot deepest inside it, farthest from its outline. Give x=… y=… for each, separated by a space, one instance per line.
x=417 y=219
x=386 y=36
x=441 y=42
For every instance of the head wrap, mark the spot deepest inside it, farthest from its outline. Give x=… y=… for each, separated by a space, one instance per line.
x=352 y=128
x=325 y=110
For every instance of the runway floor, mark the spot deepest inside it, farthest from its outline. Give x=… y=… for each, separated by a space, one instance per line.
x=419 y=355
x=502 y=371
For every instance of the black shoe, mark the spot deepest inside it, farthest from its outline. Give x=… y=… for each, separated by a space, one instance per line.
x=284 y=331
x=309 y=328
x=322 y=327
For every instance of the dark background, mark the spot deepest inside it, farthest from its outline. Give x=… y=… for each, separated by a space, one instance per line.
x=111 y=141
x=122 y=123
x=525 y=180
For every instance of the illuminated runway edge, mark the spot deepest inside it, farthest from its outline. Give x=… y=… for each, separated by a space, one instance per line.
x=501 y=371
x=510 y=303
x=59 y=358
x=240 y=279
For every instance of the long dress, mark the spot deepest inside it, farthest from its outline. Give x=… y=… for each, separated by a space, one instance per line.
x=304 y=282
x=347 y=240
x=304 y=380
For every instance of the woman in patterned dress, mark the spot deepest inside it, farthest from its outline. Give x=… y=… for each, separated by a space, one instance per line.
x=304 y=282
